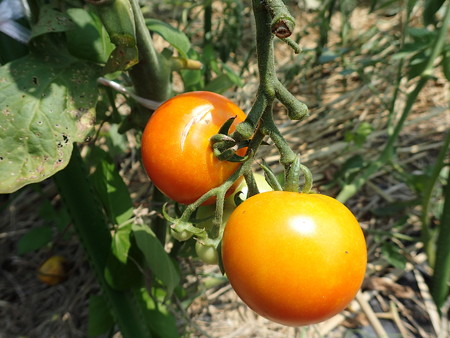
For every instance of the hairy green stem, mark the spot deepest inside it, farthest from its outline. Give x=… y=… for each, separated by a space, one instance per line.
x=183 y=223
x=151 y=76
x=251 y=184
x=264 y=50
x=268 y=127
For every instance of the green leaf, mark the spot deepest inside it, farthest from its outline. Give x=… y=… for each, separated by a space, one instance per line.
x=47 y=102
x=156 y=257
x=232 y=75
x=100 y=320
x=113 y=191
x=394 y=208
x=161 y=321
x=122 y=271
x=117 y=142
x=328 y=56
x=219 y=84
x=392 y=254
x=419 y=33
x=59 y=217
x=441 y=274
x=34 y=239
x=350 y=168
x=430 y=9
x=446 y=64
x=88 y=39
x=176 y=38
x=121 y=243
x=122 y=266
x=410 y=49
x=51 y=21
x=418 y=63
x=78 y=195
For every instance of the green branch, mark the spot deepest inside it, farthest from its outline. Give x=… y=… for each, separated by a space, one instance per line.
x=151 y=76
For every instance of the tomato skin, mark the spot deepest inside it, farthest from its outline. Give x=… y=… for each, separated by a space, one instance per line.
x=208 y=254
x=176 y=151
x=53 y=271
x=180 y=236
x=294 y=258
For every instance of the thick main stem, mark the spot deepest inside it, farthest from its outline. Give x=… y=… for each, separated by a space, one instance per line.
x=151 y=76
x=264 y=49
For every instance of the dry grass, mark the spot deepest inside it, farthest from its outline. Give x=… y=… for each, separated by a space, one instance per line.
x=393 y=302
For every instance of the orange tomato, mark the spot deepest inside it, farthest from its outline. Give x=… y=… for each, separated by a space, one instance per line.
x=176 y=150
x=294 y=258
x=53 y=271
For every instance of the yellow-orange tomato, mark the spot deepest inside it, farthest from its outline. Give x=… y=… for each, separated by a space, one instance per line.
x=294 y=258
x=176 y=150
x=53 y=271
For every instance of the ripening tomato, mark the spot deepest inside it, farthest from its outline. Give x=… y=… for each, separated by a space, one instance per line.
x=53 y=271
x=294 y=258
x=176 y=150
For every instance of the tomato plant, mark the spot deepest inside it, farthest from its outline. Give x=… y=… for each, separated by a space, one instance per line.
x=207 y=211
x=176 y=150
x=294 y=258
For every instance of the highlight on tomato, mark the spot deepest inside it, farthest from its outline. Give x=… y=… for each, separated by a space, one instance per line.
x=176 y=150
x=294 y=258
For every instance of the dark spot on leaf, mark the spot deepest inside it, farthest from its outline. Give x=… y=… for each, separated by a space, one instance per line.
x=1 y=158
x=35 y=80
x=65 y=138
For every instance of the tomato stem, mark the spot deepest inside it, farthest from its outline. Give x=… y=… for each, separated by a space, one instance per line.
x=272 y=19
x=251 y=184
x=151 y=76
x=271 y=16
